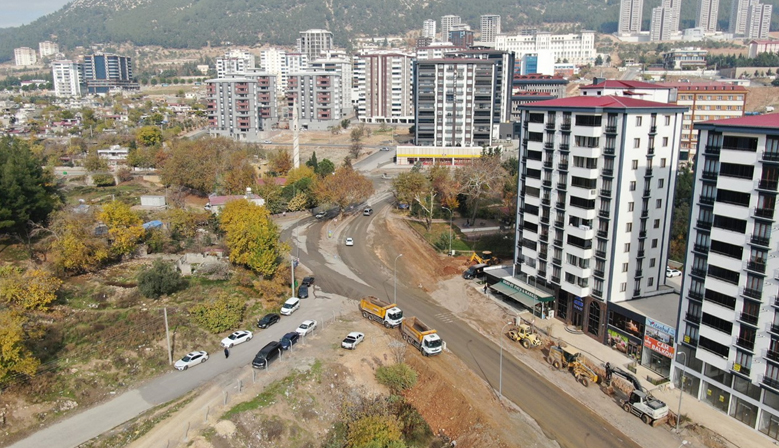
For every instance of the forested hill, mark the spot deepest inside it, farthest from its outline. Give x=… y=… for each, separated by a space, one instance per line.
x=196 y=23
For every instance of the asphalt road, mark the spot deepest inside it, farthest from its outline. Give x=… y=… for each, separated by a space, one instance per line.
x=560 y=416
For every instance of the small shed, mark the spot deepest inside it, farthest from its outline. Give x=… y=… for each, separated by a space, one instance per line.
x=148 y=200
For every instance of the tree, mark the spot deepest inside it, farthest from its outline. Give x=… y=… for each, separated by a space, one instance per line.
x=160 y=279
x=149 y=136
x=195 y=164
x=94 y=163
x=124 y=227
x=76 y=249
x=445 y=185
x=251 y=236
x=219 y=315
x=354 y=149
x=478 y=179
x=374 y=431
x=240 y=173
x=33 y=289
x=599 y=60
x=344 y=188
x=325 y=168
x=15 y=358
x=345 y=123
x=280 y=161
x=312 y=162
x=775 y=82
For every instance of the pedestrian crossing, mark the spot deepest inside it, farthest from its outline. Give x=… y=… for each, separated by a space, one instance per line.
x=447 y=318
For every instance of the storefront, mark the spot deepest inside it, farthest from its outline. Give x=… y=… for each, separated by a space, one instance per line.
x=626 y=331
x=534 y=298
x=586 y=313
x=659 y=340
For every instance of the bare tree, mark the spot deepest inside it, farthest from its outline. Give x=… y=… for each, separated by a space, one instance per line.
x=479 y=179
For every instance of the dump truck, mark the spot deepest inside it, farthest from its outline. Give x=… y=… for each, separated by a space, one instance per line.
x=416 y=333
x=383 y=312
x=525 y=336
x=572 y=359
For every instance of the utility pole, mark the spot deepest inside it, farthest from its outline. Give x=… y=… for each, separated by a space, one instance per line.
x=295 y=135
x=167 y=335
x=292 y=284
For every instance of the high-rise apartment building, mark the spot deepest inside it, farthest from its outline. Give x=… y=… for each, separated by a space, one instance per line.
x=314 y=42
x=24 y=56
x=758 y=21
x=739 y=10
x=729 y=315
x=65 y=77
x=383 y=87
x=706 y=16
x=342 y=66
x=630 y=16
x=595 y=203
x=660 y=26
x=446 y=24
x=490 y=27
x=462 y=99
x=102 y=72
x=576 y=48
x=317 y=95
x=233 y=62
x=241 y=105
x=461 y=35
x=48 y=48
x=429 y=28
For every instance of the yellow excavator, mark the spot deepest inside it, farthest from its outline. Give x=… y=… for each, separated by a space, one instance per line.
x=485 y=258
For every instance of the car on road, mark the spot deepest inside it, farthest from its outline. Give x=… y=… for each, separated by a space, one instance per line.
x=289 y=339
x=320 y=215
x=384 y=148
x=303 y=291
x=290 y=306
x=306 y=327
x=271 y=351
x=238 y=337
x=191 y=359
x=267 y=142
x=268 y=320
x=367 y=212
x=672 y=272
x=352 y=339
x=308 y=281
x=349 y=242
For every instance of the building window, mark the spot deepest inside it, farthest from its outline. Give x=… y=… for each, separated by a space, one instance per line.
x=594 y=318
x=658 y=203
x=623 y=287
x=665 y=141
x=636 y=142
x=624 y=267
x=657 y=224
x=628 y=227
x=651 y=281
x=638 y=121
x=660 y=183
x=635 y=164
x=662 y=163
x=654 y=243
x=632 y=185
x=667 y=120
x=627 y=247
x=652 y=262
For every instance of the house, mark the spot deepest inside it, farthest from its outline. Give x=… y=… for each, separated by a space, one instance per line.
x=217 y=203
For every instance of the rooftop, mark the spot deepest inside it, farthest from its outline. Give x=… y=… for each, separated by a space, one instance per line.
x=663 y=308
x=704 y=86
x=608 y=101
x=619 y=84
x=752 y=121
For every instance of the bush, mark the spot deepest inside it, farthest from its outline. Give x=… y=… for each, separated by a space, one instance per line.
x=398 y=377
x=219 y=315
x=103 y=180
x=380 y=431
x=161 y=278
x=124 y=174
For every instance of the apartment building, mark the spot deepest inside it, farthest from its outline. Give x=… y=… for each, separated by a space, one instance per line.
x=429 y=29
x=234 y=61
x=758 y=22
x=763 y=46
x=661 y=26
x=318 y=97
x=490 y=27
x=102 y=72
x=648 y=91
x=542 y=63
x=47 y=48
x=630 y=12
x=531 y=88
x=342 y=66
x=597 y=177
x=242 y=106
x=314 y=42
x=437 y=50
x=706 y=15
x=446 y=24
x=688 y=58
x=462 y=99
x=25 y=56
x=460 y=36
x=65 y=77
x=384 y=87
x=575 y=48
x=728 y=319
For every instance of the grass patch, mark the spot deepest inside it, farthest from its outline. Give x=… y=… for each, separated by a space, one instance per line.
x=281 y=387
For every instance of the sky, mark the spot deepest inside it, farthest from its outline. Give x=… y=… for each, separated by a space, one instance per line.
x=20 y=12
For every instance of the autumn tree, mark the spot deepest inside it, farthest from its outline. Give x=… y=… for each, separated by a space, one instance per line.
x=33 y=289
x=446 y=186
x=148 y=136
x=344 y=188
x=251 y=236
x=76 y=249
x=480 y=178
x=240 y=173
x=124 y=227
x=415 y=187
x=280 y=161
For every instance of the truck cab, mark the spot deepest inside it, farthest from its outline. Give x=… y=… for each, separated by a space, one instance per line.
x=394 y=316
x=432 y=344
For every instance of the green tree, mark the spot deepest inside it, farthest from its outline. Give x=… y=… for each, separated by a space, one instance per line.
x=149 y=136
x=312 y=162
x=251 y=236
x=160 y=279
x=599 y=61
x=325 y=168
x=222 y=314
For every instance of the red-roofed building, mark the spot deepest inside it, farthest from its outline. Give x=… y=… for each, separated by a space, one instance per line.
x=216 y=203
x=763 y=46
x=633 y=89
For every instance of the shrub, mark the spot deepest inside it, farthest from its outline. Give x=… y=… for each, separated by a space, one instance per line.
x=219 y=315
x=398 y=377
x=124 y=174
x=103 y=180
x=161 y=278
x=378 y=431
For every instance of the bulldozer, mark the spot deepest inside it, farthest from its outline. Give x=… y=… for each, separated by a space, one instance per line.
x=572 y=360
x=525 y=336
x=485 y=258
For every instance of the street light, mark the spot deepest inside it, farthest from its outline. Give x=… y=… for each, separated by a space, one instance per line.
x=681 y=388
x=451 y=216
x=395 y=275
x=500 y=370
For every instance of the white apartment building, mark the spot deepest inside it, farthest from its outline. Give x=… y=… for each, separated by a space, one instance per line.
x=343 y=66
x=234 y=61
x=48 y=48
x=314 y=42
x=660 y=26
x=630 y=12
x=490 y=27
x=706 y=16
x=436 y=50
x=25 y=56
x=429 y=28
x=318 y=97
x=66 y=79
x=595 y=201
x=739 y=14
x=641 y=90
x=729 y=314
x=242 y=106
x=383 y=83
x=577 y=48
x=758 y=22
x=281 y=63
x=446 y=25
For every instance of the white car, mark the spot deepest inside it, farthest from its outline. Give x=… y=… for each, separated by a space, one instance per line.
x=349 y=242
x=306 y=327
x=672 y=272
x=352 y=339
x=290 y=306
x=267 y=142
x=238 y=337
x=191 y=359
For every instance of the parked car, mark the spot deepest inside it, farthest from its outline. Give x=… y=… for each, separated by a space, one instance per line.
x=349 y=242
x=238 y=337
x=191 y=359
x=320 y=215
x=384 y=148
x=308 y=281
x=268 y=320
x=290 y=306
x=672 y=272
x=352 y=339
x=289 y=339
x=264 y=357
x=267 y=142
x=303 y=291
x=306 y=327
x=367 y=212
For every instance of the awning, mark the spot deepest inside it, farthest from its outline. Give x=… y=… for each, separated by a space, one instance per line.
x=512 y=293
x=534 y=292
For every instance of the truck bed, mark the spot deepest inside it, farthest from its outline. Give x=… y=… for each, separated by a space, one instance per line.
x=376 y=301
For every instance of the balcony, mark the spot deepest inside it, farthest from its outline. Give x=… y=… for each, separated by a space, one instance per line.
x=558 y=243
x=597 y=293
x=547 y=183
x=608 y=172
x=653 y=129
x=642 y=234
x=598 y=273
x=648 y=172
x=698 y=272
x=603 y=233
x=748 y=318
x=746 y=344
x=772 y=355
x=770 y=382
x=559 y=224
x=564 y=147
x=609 y=150
x=706 y=200
x=709 y=175
x=764 y=213
x=565 y=126
x=713 y=150
x=560 y=205
x=636 y=293
x=651 y=151
x=603 y=213
x=548 y=145
x=562 y=166
x=606 y=193
x=756 y=266
x=770 y=156
x=611 y=129
x=772 y=328
x=542 y=255
x=600 y=253
x=557 y=261
x=544 y=219
x=738 y=368
x=703 y=224
x=548 y=164
x=639 y=273
x=542 y=274
x=647 y=193
x=550 y=126
x=546 y=201
x=694 y=318
x=760 y=240
x=645 y=213
x=562 y=186
x=767 y=184
x=556 y=280
x=689 y=340
x=695 y=295
x=543 y=237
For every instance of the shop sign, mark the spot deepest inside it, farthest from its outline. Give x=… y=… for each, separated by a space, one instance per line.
x=578 y=303
x=659 y=347
x=617 y=341
x=659 y=326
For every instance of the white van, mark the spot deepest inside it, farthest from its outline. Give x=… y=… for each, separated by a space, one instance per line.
x=290 y=306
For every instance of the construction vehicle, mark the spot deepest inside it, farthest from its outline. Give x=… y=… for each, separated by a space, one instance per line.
x=416 y=333
x=485 y=258
x=646 y=407
x=380 y=311
x=525 y=336
x=627 y=376
x=573 y=360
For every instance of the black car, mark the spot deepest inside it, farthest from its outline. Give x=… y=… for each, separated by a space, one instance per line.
x=303 y=292
x=289 y=339
x=268 y=320
x=265 y=356
x=308 y=281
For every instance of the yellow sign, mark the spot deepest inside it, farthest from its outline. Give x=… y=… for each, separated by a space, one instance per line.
x=686 y=339
x=736 y=367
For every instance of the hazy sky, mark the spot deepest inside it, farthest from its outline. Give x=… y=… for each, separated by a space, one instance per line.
x=19 y=12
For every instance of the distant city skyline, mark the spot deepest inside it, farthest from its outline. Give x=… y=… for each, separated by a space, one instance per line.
x=16 y=13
